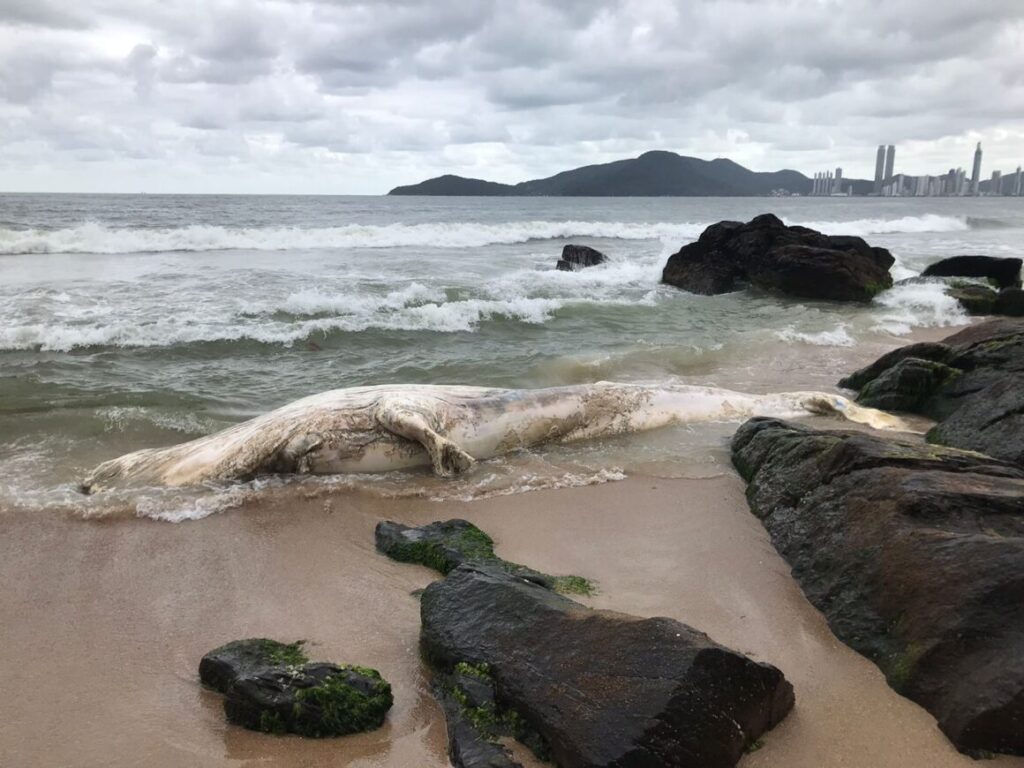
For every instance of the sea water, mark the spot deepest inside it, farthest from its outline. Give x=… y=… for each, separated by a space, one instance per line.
x=144 y=320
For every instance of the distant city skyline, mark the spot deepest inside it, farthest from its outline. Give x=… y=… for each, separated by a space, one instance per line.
x=952 y=183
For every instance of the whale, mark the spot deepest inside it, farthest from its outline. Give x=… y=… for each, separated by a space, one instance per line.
x=449 y=428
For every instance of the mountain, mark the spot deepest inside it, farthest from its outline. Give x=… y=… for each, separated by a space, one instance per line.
x=653 y=174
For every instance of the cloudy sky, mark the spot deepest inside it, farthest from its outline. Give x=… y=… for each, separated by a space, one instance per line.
x=332 y=96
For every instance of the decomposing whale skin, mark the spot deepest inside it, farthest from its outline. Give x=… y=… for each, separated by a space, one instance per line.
x=381 y=428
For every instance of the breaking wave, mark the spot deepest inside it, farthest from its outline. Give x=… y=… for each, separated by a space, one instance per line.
x=837 y=337
x=918 y=304
x=98 y=238
x=929 y=222
x=101 y=239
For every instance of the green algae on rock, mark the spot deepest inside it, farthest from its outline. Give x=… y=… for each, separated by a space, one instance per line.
x=272 y=687
x=445 y=545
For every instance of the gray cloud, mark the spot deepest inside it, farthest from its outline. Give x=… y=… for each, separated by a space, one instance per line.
x=225 y=93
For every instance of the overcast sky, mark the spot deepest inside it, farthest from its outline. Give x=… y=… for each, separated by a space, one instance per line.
x=344 y=97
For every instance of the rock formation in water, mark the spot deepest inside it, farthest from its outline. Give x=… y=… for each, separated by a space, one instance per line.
x=1003 y=272
x=972 y=383
x=915 y=554
x=767 y=254
x=272 y=687
x=576 y=257
x=580 y=687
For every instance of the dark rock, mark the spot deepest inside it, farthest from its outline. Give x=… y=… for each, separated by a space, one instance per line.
x=915 y=554
x=219 y=668
x=794 y=260
x=272 y=687
x=907 y=385
x=972 y=383
x=316 y=700
x=975 y=299
x=1009 y=302
x=576 y=257
x=939 y=353
x=445 y=545
x=600 y=688
x=1004 y=272
x=475 y=721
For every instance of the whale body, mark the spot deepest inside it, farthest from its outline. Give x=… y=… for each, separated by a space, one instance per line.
x=381 y=428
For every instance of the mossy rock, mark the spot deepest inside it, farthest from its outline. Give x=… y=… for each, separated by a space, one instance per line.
x=974 y=298
x=219 y=668
x=272 y=687
x=907 y=386
x=316 y=700
x=445 y=545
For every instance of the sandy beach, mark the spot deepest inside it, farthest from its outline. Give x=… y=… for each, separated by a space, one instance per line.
x=104 y=622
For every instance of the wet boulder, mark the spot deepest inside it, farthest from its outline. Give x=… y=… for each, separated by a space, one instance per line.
x=272 y=687
x=792 y=260
x=1009 y=302
x=576 y=257
x=972 y=384
x=445 y=545
x=1003 y=272
x=596 y=688
x=915 y=554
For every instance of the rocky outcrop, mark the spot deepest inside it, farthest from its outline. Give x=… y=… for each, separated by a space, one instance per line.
x=972 y=383
x=978 y=297
x=273 y=687
x=915 y=554
x=576 y=257
x=445 y=545
x=597 y=688
x=767 y=254
x=1003 y=272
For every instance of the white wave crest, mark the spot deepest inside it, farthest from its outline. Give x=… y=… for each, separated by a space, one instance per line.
x=449 y=317
x=918 y=304
x=929 y=222
x=837 y=337
x=98 y=238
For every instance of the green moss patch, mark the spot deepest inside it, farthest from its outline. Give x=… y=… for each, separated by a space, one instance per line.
x=443 y=546
x=336 y=706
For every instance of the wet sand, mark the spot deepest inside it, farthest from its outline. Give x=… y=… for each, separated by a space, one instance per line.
x=102 y=623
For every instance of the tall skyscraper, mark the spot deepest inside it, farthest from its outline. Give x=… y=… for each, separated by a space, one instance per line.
x=976 y=173
x=996 y=185
x=1016 y=183
x=890 y=161
x=879 y=168
x=837 y=187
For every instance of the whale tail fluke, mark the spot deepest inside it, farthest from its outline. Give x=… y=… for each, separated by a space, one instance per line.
x=826 y=404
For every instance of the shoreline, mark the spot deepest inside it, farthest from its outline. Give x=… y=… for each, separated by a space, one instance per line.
x=103 y=621
x=114 y=633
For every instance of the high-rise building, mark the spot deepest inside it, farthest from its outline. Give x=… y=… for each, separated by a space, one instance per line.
x=879 y=168
x=976 y=172
x=837 y=187
x=890 y=161
x=996 y=185
x=1016 y=183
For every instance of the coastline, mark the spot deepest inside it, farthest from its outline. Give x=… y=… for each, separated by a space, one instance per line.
x=115 y=615
x=106 y=619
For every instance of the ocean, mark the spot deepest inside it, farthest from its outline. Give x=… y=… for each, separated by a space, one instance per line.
x=144 y=320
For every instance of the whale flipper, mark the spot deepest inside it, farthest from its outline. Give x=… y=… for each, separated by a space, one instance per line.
x=824 y=404
x=398 y=418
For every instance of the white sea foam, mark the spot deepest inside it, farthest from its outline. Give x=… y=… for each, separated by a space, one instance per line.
x=929 y=222
x=837 y=337
x=98 y=238
x=918 y=304
x=448 y=317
